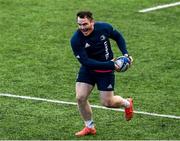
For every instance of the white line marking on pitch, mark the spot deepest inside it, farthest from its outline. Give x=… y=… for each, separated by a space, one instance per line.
x=159 y=7
x=94 y=106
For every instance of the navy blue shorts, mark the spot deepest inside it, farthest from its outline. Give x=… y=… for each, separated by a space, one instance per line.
x=104 y=81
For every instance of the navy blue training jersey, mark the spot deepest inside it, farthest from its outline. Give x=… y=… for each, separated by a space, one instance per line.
x=94 y=51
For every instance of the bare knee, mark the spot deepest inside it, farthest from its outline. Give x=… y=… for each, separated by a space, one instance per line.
x=107 y=103
x=81 y=98
x=83 y=90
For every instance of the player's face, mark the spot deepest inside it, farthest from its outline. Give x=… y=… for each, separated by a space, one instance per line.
x=85 y=25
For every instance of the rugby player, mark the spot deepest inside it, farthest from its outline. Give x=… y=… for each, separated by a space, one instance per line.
x=91 y=46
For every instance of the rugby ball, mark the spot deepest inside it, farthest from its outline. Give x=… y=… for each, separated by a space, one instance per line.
x=123 y=63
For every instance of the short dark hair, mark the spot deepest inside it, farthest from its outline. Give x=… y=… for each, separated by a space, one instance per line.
x=85 y=14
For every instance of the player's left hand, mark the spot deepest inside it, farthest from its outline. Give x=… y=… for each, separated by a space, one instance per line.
x=129 y=57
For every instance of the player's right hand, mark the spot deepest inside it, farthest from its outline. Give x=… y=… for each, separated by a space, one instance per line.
x=117 y=68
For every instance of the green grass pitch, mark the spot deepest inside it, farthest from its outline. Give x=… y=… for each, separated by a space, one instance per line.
x=36 y=60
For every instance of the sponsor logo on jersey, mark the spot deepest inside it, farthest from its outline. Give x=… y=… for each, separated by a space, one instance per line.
x=106 y=50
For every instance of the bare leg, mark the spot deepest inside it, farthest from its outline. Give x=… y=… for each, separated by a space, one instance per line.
x=83 y=90
x=108 y=99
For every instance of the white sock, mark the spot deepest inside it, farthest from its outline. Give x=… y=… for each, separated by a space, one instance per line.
x=125 y=103
x=89 y=124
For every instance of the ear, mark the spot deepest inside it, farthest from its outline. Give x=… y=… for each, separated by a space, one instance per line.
x=92 y=22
